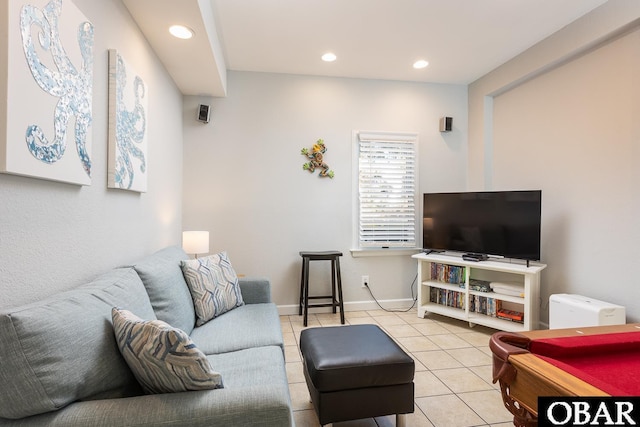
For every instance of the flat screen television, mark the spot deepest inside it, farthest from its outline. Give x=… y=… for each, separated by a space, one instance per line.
x=494 y=223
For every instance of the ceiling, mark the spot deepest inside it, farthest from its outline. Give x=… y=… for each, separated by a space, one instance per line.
x=373 y=39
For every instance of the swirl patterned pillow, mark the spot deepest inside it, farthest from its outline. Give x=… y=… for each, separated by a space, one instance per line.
x=162 y=358
x=213 y=285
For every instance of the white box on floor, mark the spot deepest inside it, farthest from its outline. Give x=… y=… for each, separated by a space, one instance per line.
x=570 y=310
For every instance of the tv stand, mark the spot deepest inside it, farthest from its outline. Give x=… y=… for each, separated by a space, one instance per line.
x=447 y=285
x=475 y=257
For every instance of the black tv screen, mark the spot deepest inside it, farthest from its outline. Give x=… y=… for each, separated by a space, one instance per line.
x=499 y=223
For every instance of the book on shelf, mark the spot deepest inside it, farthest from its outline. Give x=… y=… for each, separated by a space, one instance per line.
x=515 y=316
x=447 y=297
x=484 y=305
x=446 y=273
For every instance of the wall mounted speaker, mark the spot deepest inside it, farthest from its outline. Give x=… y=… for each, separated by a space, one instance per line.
x=446 y=124
x=204 y=113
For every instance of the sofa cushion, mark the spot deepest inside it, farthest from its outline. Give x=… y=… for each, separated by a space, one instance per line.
x=163 y=358
x=255 y=394
x=213 y=284
x=62 y=348
x=168 y=292
x=258 y=375
x=252 y=325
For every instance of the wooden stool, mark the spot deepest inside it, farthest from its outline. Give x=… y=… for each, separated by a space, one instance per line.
x=336 y=300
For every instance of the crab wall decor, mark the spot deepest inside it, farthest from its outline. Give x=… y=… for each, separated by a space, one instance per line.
x=316 y=159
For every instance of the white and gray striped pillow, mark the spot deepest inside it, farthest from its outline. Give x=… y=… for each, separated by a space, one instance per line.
x=213 y=284
x=163 y=358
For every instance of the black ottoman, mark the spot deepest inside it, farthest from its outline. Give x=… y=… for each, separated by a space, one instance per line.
x=355 y=372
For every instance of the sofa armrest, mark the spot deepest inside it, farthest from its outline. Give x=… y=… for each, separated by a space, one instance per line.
x=262 y=406
x=255 y=290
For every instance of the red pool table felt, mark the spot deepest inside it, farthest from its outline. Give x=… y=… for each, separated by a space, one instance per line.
x=610 y=362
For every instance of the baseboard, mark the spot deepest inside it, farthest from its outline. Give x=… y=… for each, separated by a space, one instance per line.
x=393 y=304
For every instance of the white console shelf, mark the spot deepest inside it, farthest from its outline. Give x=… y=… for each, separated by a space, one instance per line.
x=489 y=271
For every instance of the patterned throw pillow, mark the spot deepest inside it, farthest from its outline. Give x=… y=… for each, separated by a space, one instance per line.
x=162 y=358
x=213 y=284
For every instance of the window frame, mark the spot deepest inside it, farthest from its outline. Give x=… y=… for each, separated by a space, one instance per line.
x=376 y=250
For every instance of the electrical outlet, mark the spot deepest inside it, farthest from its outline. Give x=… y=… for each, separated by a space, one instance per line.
x=365 y=281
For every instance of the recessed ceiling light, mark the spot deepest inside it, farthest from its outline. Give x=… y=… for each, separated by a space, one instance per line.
x=420 y=64
x=181 y=32
x=329 y=57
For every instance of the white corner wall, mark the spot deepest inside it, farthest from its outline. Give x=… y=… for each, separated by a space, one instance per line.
x=563 y=117
x=55 y=236
x=244 y=182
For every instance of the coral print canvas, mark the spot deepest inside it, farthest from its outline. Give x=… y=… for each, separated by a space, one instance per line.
x=46 y=77
x=127 y=126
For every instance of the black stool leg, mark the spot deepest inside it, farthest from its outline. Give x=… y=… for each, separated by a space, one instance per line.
x=340 y=290
x=334 y=300
x=306 y=290
x=301 y=290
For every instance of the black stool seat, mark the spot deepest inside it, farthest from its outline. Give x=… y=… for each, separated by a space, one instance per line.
x=320 y=256
x=355 y=372
x=336 y=283
x=341 y=358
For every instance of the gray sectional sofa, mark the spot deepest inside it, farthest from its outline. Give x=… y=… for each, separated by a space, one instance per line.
x=60 y=364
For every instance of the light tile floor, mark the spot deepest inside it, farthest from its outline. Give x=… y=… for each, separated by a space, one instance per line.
x=453 y=370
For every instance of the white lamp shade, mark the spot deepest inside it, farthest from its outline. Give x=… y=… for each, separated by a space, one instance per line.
x=195 y=242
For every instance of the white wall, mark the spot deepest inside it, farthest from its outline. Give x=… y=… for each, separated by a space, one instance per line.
x=54 y=236
x=243 y=177
x=563 y=117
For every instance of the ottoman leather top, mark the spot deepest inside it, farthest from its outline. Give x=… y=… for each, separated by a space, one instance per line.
x=355 y=356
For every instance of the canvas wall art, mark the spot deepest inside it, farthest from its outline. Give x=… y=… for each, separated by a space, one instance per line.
x=46 y=78
x=127 y=126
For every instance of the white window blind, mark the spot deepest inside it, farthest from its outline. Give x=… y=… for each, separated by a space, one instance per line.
x=387 y=179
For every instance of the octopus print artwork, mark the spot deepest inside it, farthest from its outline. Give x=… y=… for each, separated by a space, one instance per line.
x=127 y=126
x=47 y=121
